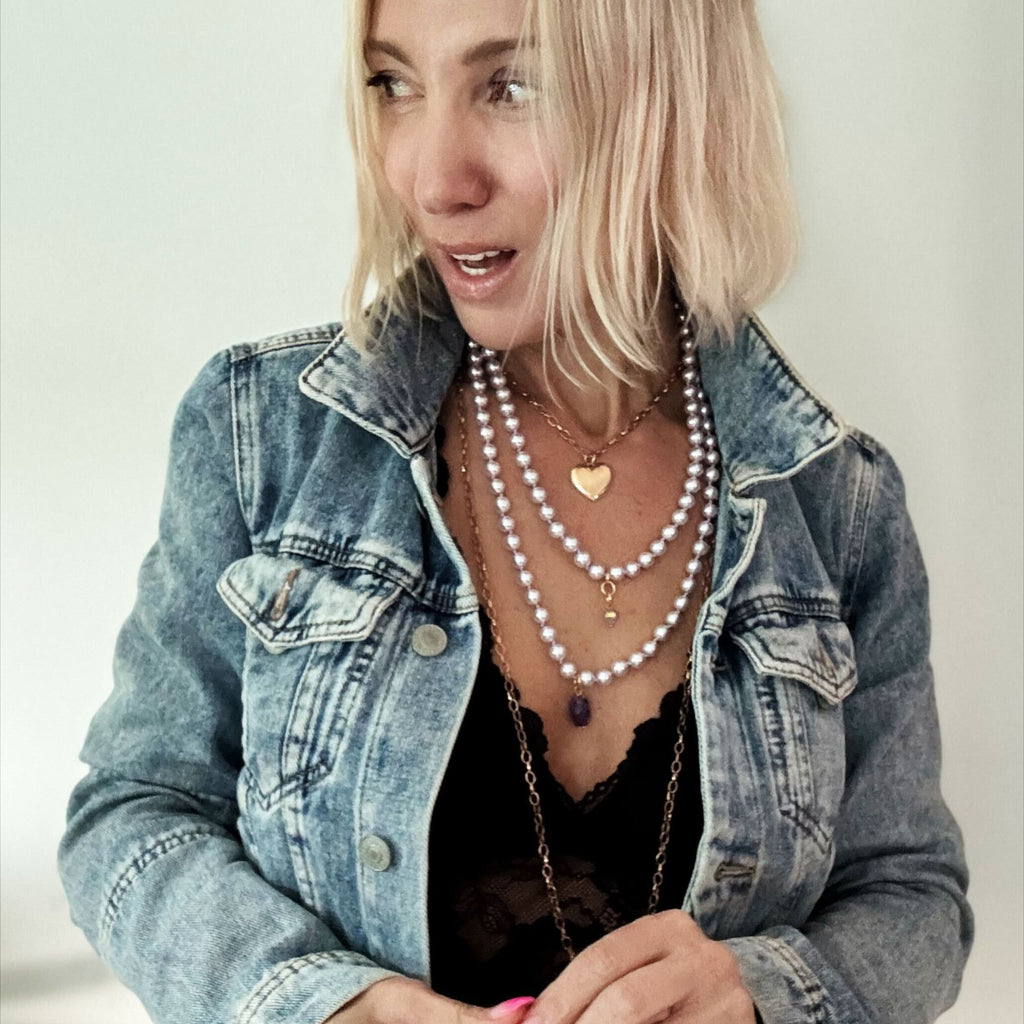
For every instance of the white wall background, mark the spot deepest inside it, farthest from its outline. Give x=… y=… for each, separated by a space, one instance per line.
x=175 y=179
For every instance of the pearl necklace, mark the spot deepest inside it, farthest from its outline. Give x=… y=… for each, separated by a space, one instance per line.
x=698 y=421
x=703 y=450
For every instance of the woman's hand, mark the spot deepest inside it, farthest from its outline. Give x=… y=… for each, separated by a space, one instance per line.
x=406 y=1001
x=658 y=968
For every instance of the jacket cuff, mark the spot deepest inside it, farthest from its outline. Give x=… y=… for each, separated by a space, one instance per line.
x=791 y=983
x=309 y=989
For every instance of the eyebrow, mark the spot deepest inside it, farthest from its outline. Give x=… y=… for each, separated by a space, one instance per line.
x=474 y=55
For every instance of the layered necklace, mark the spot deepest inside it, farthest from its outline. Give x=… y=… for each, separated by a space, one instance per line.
x=701 y=486
x=698 y=416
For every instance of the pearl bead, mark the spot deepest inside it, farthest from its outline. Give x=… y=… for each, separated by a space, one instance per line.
x=646 y=559
x=616 y=572
x=512 y=540
x=520 y=560
x=480 y=401
x=522 y=460
x=539 y=495
x=493 y=469
x=557 y=530
x=541 y=615
x=582 y=559
x=712 y=474
x=596 y=572
x=680 y=603
x=636 y=659
x=530 y=478
x=533 y=596
x=620 y=668
x=692 y=422
x=586 y=678
x=700 y=548
x=669 y=533
x=711 y=493
x=711 y=458
x=694 y=469
x=506 y=409
x=687 y=500
x=632 y=569
x=487 y=433
x=692 y=567
x=557 y=651
x=710 y=511
x=604 y=677
x=490 y=452
x=691 y=408
x=660 y=632
x=507 y=523
x=503 y=503
x=689 y=391
x=705 y=529
x=547 y=634
x=483 y=417
x=503 y=394
x=512 y=424
x=657 y=548
x=687 y=584
x=672 y=618
x=650 y=648
x=526 y=578
x=517 y=441
x=547 y=513
x=568 y=669
x=570 y=544
x=498 y=486
x=679 y=517
x=696 y=438
x=498 y=380
x=690 y=376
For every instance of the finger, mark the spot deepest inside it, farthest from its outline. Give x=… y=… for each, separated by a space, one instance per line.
x=642 y=942
x=648 y=995
x=415 y=1003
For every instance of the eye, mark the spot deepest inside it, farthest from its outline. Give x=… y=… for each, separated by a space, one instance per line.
x=389 y=86
x=507 y=90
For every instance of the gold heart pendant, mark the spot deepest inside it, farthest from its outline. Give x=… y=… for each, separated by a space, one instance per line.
x=591 y=481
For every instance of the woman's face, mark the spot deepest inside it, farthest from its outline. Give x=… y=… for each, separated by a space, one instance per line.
x=460 y=153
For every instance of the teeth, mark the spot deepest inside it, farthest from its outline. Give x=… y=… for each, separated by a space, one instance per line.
x=477 y=255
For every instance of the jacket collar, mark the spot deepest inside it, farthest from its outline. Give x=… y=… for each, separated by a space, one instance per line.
x=769 y=422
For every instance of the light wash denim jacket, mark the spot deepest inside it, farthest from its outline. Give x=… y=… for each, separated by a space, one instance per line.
x=250 y=844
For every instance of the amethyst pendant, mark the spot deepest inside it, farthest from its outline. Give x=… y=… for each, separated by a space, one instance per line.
x=579 y=711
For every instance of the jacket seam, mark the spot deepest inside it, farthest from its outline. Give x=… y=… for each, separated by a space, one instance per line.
x=863 y=510
x=150 y=855
x=812 y=988
x=282 y=974
x=283 y=342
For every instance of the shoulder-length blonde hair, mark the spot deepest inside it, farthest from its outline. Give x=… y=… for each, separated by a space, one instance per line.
x=672 y=173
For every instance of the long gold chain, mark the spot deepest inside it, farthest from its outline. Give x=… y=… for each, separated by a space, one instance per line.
x=590 y=456
x=525 y=756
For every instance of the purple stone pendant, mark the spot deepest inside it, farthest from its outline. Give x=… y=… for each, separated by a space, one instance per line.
x=579 y=710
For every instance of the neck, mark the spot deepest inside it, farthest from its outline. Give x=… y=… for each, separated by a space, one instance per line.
x=601 y=403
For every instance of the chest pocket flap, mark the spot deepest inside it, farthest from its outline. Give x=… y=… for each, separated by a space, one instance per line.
x=818 y=652
x=288 y=602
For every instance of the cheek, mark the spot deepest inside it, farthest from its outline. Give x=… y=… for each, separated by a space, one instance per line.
x=398 y=164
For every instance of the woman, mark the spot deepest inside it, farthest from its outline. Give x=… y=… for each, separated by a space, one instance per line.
x=543 y=636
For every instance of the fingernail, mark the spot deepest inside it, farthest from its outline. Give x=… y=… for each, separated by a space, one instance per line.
x=509 y=1007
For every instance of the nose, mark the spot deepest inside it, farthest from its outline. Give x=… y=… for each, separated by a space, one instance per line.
x=451 y=171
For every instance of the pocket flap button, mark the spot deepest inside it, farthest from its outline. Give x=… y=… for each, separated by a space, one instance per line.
x=375 y=853
x=429 y=640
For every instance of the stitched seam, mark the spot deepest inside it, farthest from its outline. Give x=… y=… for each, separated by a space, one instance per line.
x=237 y=441
x=284 y=342
x=812 y=988
x=865 y=508
x=767 y=604
x=138 y=864
x=283 y=974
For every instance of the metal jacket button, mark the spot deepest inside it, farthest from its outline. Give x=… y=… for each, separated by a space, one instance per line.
x=375 y=853
x=429 y=640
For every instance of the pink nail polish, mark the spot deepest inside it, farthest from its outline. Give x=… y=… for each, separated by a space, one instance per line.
x=510 y=1006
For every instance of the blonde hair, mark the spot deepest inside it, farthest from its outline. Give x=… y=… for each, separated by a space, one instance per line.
x=672 y=173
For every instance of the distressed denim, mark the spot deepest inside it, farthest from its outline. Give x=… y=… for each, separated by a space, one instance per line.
x=250 y=843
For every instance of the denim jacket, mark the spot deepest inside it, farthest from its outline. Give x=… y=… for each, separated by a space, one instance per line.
x=250 y=843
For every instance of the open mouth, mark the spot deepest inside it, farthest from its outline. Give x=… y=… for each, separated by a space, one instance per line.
x=478 y=264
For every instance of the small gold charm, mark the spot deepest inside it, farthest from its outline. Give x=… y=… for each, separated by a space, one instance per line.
x=611 y=616
x=591 y=480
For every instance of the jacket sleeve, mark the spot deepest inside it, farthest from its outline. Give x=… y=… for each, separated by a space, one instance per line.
x=151 y=861
x=888 y=939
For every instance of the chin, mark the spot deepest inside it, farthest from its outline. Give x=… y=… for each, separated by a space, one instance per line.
x=498 y=329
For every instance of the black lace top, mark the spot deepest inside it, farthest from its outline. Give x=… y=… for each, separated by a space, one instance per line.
x=491 y=931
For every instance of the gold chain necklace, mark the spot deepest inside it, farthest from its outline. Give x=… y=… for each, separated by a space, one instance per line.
x=592 y=478
x=512 y=697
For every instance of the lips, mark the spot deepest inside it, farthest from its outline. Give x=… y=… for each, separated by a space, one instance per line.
x=474 y=270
